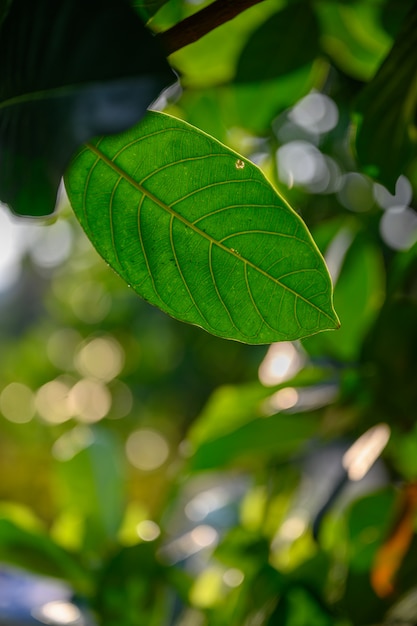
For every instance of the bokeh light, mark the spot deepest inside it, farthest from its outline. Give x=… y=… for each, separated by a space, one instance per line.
x=147 y=449
x=315 y=112
x=398 y=227
x=59 y=613
x=148 y=530
x=283 y=399
x=101 y=358
x=233 y=577
x=402 y=197
x=360 y=457
x=282 y=361
x=301 y=163
x=52 y=401
x=51 y=245
x=204 y=536
x=72 y=442
x=89 y=400
x=17 y=403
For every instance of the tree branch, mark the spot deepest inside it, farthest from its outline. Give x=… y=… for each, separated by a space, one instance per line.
x=196 y=26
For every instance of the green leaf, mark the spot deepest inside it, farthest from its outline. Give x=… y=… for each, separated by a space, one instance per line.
x=393 y=14
x=37 y=552
x=299 y=606
x=232 y=406
x=133 y=588
x=358 y=291
x=200 y=232
x=4 y=7
x=71 y=70
x=287 y=41
x=250 y=105
x=352 y=36
x=92 y=484
x=279 y=436
x=368 y=521
x=387 y=135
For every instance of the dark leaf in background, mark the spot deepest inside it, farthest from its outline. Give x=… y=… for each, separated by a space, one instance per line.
x=389 y=355
x=4 y=7
x=148 y=8
x=387 y=134
x=285 y=42
x=132 y=588
x=393 y=14
x=299 y=606
x=73 y=70
x=359 y=287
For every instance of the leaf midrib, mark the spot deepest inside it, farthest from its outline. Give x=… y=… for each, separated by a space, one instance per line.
x=203 y=234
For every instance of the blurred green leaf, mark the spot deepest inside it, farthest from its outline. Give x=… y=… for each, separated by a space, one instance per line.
x=314 y=574
x=277 y=437
x=287 y=41
x=246 y=106
x=393 y=14
x=390 y=354
x=92 y=484
x=200 y=233
x=132 y=588
x=358 y=292
x=4 y=7
x=230 y=407
x=262 y=584
x=405 y=579
x=299 y=607
x=403 y=452
x=352 y=37
x=63 y=84
x=36 y=552
x=368 y=521
x=227 y=409
x=387 y=134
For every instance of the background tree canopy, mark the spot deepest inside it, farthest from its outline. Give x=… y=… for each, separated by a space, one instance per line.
x=155 y=472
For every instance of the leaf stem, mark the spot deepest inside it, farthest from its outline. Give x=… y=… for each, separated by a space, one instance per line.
x=196 y=26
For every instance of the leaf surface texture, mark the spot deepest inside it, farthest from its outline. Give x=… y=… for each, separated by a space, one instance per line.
x=198 y=231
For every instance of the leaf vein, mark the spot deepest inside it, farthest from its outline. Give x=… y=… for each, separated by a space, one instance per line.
x=178 y=266
x=255 y=306
x=203 y=234
x=216 y=287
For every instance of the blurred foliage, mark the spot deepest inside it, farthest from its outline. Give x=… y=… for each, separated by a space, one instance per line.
x=174 y=478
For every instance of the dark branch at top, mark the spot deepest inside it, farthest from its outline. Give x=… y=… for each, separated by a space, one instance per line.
x=196 y=26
